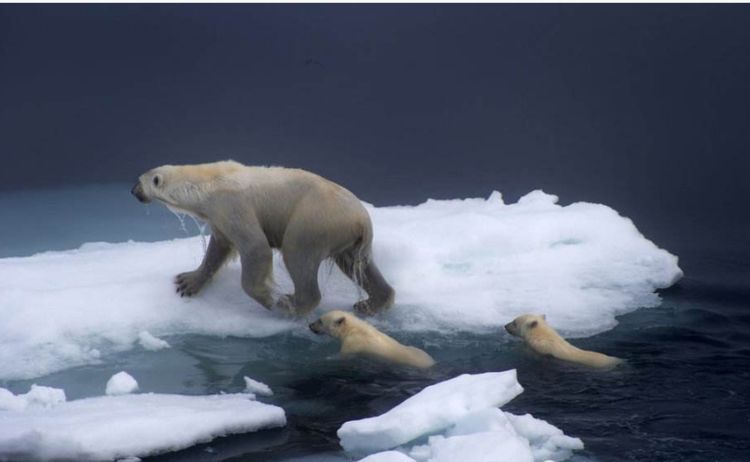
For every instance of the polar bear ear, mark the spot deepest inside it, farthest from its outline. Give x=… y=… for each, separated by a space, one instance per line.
x=533 y=324
x=340 y=321
x=544 y=316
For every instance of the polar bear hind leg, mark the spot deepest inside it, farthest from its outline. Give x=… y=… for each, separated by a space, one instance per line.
x=361 y=269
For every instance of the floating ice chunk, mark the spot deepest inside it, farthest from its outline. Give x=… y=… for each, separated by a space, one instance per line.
x=121 y=383
x=472 y=431
x=471 y=264
x=258 y=388
x=433 y=409
x=149 y=342
x=37 y=397
x=547 y=441
x=114 y=427
x=388 y=456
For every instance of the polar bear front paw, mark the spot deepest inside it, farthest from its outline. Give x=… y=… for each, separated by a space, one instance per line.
x=190 y=283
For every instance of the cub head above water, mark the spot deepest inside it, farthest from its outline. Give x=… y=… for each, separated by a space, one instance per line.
x=360 y=338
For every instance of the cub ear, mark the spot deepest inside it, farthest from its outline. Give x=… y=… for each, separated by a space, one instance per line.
x=340 y=321
x=544 y=316
x=533 y=324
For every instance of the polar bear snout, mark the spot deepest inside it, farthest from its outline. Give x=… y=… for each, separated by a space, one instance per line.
x=137 y=191
x=317 y=327
x=511 y=328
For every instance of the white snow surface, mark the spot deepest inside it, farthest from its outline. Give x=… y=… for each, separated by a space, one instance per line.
x=433 y=409
x=456 y=265
x=114 y=427
x=472 y=428
x=258 y=388
x=151 y=343
x=121 y=383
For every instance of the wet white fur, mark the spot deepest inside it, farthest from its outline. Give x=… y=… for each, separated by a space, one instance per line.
x=358 y=337
x=543 y=339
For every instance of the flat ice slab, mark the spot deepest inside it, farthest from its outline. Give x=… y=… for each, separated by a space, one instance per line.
x=431 y=410
x=472 y=265
x=41 y=425
x=458 y=419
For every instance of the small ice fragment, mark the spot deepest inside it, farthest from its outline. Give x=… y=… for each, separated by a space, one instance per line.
x=255 y=387
x=121 y=383
x=388 y=456
x=151 y=343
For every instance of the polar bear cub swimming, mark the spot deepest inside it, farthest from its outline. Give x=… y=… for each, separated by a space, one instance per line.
x=542 y=338
x=359 y=338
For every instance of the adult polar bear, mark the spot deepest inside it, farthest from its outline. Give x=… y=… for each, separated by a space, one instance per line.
x=252 y=210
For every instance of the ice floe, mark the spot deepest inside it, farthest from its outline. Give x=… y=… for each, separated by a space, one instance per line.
x=458 y=419
x=121 y=383
x=41 y=425
x=466 y=265
x=257 y=388
x=151 y=343
x=431 y=410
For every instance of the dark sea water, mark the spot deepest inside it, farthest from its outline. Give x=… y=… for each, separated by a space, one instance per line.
x=681 y=396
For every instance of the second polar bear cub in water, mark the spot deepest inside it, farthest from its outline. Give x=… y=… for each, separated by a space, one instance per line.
x=542 y=338
x=361 y=338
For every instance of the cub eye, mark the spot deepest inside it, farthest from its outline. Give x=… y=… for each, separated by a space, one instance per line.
x=157 y=180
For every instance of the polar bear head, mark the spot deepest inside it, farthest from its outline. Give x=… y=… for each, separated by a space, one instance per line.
x=334 y=323
x=182 y=187
x=524 y=324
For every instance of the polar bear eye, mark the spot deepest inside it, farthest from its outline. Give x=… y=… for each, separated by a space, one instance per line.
x=157 y=180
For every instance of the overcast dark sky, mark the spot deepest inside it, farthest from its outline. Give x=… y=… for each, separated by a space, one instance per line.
x=642 y=107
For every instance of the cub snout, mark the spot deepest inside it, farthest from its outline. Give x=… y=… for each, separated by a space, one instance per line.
x=511 y=329
x=317 y=327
